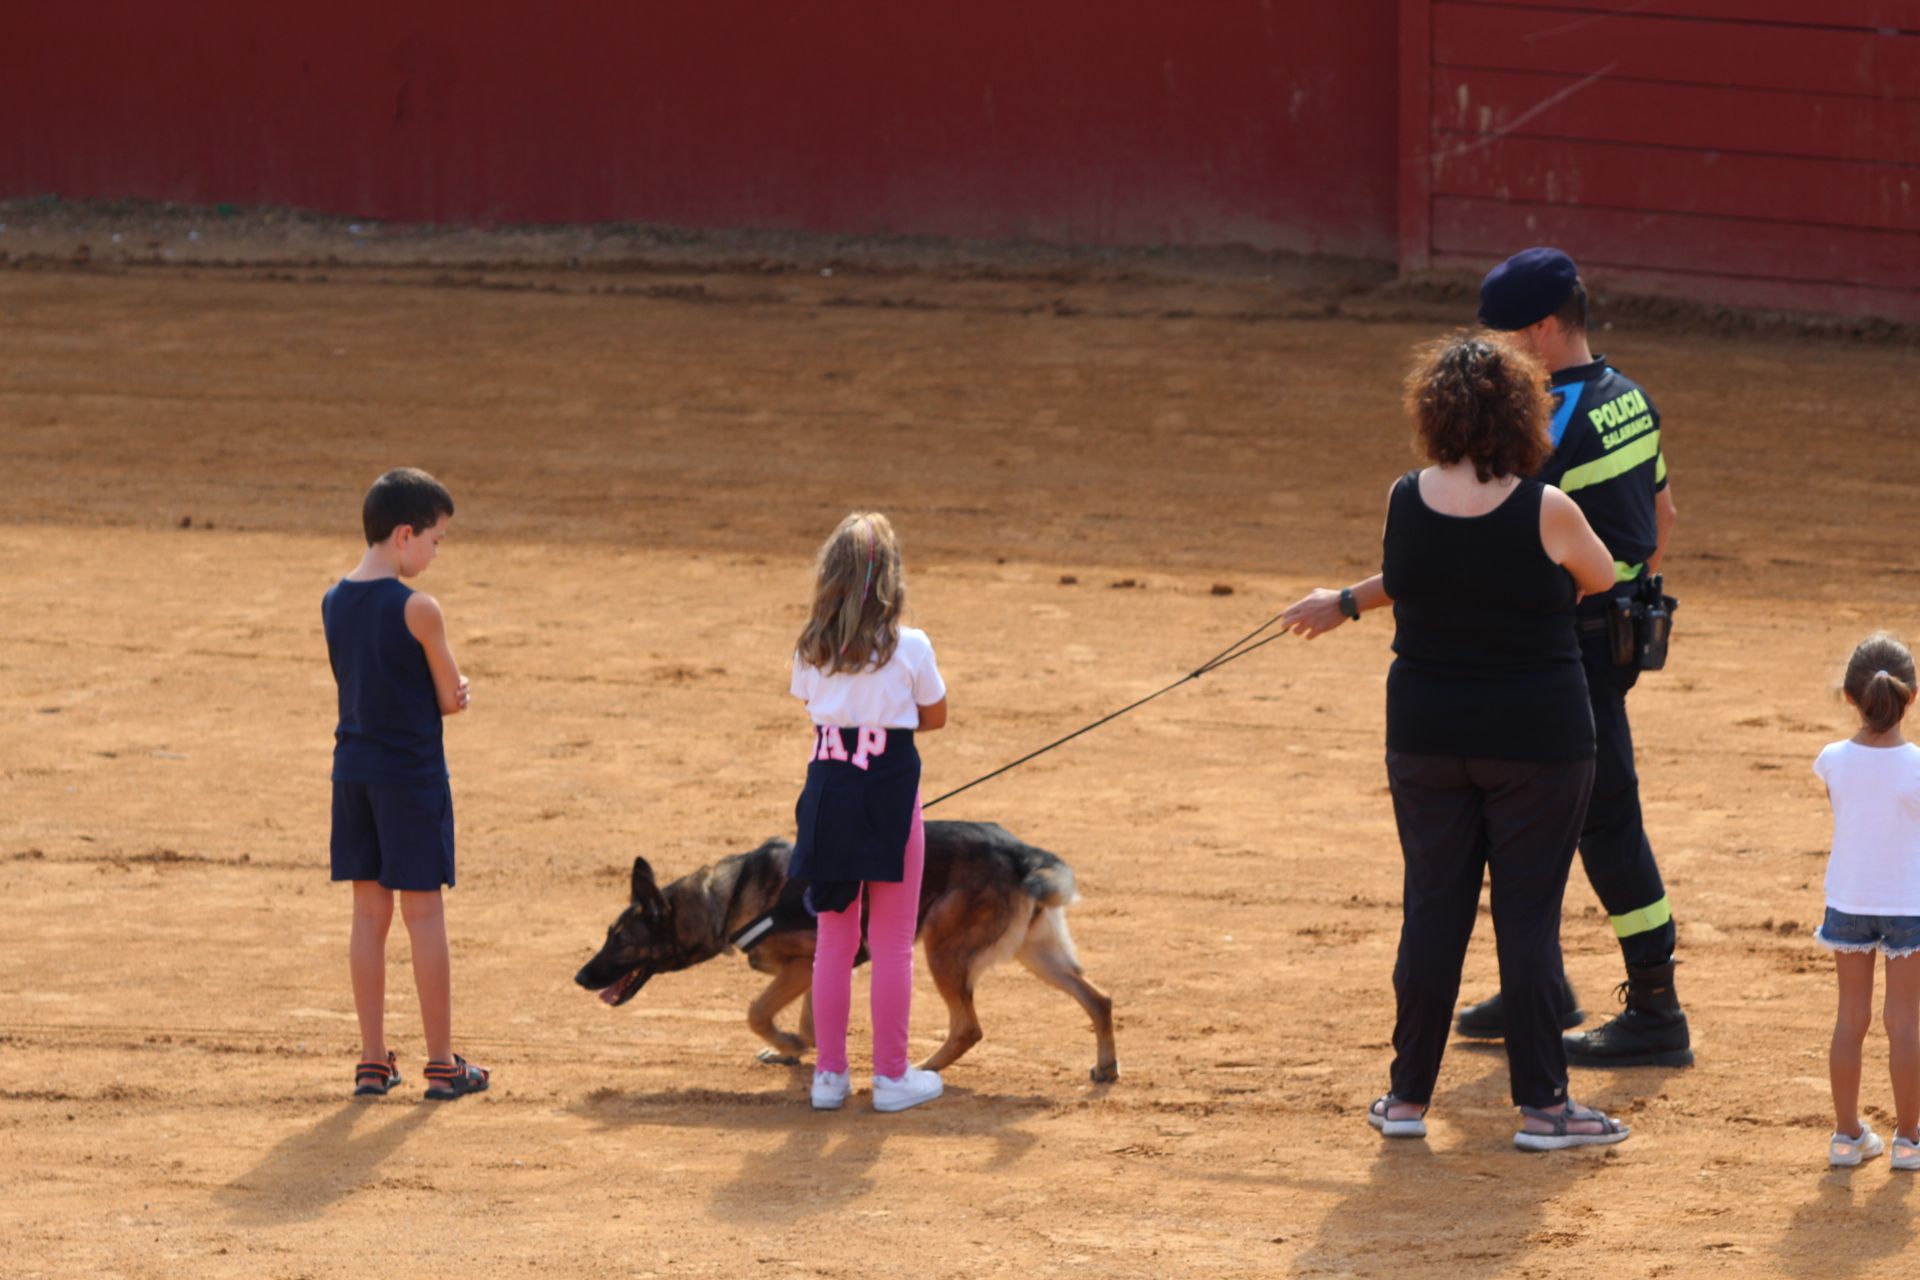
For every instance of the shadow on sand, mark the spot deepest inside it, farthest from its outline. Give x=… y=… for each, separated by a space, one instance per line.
x=1857 y=1222
x=1474 y=1207
x=309 y=1171
x=816 y=1162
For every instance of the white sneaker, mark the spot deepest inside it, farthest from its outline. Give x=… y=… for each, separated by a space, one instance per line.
x=897 y=1093
x=1844 y=1151
x=830 y=1090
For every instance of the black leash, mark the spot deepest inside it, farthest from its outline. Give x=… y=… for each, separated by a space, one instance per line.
x=1238 y=649
x=760 y=925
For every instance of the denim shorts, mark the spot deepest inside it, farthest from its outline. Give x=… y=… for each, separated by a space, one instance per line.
x=1892 y=936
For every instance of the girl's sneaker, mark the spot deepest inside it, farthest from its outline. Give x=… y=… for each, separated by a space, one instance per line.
x=1906 y=1154
x=1844 y=1151
x=897 y=1093
x=830 y=1090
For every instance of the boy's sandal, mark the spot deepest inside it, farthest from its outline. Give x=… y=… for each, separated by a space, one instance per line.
x=1412 y=1127
x=1906 y=1154
x=1845 y=1150
x=373 y=1079
x=1611 y=1130
x=456 y=1079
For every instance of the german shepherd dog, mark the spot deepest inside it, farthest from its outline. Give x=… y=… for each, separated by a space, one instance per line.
x=985 y=897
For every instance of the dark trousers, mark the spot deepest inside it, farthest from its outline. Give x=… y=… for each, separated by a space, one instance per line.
x=1613 y=844
x=1460 y=819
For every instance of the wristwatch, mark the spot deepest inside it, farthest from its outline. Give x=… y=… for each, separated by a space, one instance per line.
x=1348 y=605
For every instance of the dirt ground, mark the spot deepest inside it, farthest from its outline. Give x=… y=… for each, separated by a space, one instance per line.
x=645 y=455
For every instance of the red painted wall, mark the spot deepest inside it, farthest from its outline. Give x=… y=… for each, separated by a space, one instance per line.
x=1760 y=152
x=1265 y=122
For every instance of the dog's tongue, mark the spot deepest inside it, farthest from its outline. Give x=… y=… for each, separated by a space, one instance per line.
x=624 y=987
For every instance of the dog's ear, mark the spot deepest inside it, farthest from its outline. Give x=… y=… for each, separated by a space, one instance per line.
x=646 y=893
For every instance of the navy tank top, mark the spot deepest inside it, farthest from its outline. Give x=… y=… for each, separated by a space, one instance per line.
x=390 y=723
x=1487 y=664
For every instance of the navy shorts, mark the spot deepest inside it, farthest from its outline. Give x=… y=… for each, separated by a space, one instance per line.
x=401 y=836
x=1894 y=937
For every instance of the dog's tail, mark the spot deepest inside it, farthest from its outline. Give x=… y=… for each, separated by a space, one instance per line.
x=1051 y=883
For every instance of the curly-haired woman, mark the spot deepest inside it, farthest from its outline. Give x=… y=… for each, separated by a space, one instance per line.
x=1490 y=742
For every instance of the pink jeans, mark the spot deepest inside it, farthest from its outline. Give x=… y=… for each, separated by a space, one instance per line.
x=890 y=928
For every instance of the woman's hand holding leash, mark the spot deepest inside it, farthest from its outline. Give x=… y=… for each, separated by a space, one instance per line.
x=1314 y=614
x=1321 y=610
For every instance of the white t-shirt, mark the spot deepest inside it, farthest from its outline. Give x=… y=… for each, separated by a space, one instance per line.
x=1874 y=869
x=888 y=697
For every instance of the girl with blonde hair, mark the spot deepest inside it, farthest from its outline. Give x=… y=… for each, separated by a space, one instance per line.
x=870 y=685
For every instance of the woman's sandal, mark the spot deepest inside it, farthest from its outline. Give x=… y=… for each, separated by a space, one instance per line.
x=373 y=1079
x=1611 y=1130
x=456 y=1079
x=1906 y=1154
x=1844 y=1151
x=1416 y=1127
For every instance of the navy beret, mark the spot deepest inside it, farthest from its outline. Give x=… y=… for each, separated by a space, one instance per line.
x=1526 y=288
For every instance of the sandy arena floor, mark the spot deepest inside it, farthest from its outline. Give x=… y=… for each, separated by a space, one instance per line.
x=645 y=456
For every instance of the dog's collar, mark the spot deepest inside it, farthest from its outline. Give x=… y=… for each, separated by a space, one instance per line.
x=750 y=934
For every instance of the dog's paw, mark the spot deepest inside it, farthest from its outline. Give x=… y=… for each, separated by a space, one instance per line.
x=775 y=1058
x=1106 y=1073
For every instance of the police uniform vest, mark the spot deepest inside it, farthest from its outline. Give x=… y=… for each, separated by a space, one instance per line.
x=1607 y=458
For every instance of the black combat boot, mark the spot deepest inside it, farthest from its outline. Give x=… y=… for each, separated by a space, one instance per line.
x=1488 y=1021
x=1650 y=1032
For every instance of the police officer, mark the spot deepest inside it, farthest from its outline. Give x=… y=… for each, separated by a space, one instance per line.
x=1607 y=458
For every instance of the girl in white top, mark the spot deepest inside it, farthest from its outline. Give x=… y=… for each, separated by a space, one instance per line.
x=1873 y=897
x=870 y=685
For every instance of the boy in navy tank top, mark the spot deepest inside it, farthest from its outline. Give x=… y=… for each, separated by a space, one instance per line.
x=392 y=806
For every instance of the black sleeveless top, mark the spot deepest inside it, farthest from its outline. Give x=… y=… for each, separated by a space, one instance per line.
x=1486 y=665
x=390 y=725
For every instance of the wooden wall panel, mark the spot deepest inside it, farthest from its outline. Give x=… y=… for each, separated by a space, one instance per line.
x=1699 y=117
x=1416 y=170
x=1859 y=15
x=1678 y=50
x=1599 y=238
x=1835 y=193
x=1270 y=123
x=1760 y=150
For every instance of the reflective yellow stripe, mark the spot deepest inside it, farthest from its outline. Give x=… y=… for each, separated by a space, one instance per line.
x=1624 y=572
x=1644 y=920
x=1619 y=462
